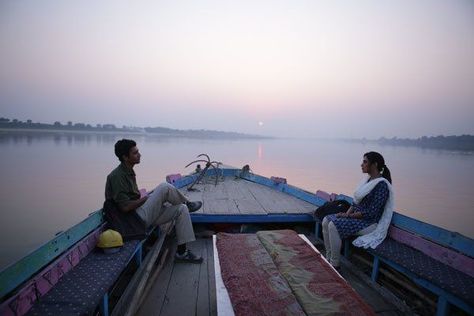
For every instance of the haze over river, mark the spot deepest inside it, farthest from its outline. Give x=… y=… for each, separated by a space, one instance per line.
x=51 y=181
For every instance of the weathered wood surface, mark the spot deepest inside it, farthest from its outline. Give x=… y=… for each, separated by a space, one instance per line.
x=184 y=288
x=238 y=196
x=189 y=289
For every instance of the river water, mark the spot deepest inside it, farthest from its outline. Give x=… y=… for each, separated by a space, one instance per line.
x=51 y=181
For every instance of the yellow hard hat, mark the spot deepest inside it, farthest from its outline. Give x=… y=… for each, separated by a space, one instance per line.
x=110 y=239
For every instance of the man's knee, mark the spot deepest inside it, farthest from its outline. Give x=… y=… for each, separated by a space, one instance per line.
x=182 y=210
x=164 y=186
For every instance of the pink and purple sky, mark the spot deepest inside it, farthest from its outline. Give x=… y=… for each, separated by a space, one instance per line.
x=283 y=68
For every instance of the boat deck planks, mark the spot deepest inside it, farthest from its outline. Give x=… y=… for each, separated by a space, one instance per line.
x=189 y=289
x=184 y=289
x=237 y=196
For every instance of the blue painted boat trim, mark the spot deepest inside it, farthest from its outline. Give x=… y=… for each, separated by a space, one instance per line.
x=436 y=234
x=17 y=273
x=187 y=180
x=286 y=188
x=252 y=218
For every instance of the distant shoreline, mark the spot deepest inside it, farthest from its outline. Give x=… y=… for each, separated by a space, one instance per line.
x=110 y=129
x=458 y=143
x=185 y=134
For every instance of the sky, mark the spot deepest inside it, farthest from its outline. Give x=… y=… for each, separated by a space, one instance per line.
x=292 y=68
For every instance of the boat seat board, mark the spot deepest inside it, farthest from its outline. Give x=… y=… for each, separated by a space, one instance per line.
x=47 y=278
x=438 y=273
x=81 y=290
x=436 y=251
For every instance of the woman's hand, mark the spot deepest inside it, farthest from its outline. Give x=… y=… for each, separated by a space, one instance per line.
x=357 y=215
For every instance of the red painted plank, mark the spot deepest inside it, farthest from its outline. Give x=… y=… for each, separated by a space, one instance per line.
x=447 y=256
x=278 y=180
x=324 y=195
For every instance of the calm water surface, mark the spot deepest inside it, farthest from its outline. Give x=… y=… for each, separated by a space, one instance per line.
x=50 y=182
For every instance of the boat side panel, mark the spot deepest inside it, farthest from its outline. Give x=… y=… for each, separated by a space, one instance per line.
x=14 y=275
x=436 y=234
x=286 y=188
x=39 y=285
x=255 y=218
x=186 y=180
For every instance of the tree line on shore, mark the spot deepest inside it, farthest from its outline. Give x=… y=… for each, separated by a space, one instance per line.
x=70 y=126
x=461 y=142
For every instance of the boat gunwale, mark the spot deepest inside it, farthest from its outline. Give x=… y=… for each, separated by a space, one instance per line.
x=22 y=270
x=444 y=237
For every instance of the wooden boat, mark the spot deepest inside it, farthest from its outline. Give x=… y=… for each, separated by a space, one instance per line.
x=147 y=281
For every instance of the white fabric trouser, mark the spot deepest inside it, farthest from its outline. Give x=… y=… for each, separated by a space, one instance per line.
x=333 y=242
x=154 y=212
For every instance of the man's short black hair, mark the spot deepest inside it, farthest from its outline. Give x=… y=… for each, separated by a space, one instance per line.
x=123 y=146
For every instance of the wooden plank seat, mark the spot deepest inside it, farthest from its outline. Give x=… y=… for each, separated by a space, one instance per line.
x=83 y=288
x=423 y=266
x=443 y=270
x=67 y=275
x=432 y=257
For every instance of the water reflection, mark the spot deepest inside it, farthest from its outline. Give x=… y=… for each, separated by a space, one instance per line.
x=51 y=181
x=70 y=138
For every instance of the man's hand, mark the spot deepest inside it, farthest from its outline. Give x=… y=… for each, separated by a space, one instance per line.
x=133 y=205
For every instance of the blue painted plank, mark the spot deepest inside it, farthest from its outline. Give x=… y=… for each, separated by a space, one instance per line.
x=184 y=181
x=104 y=305
x=375 y=269
x=345 y=197
x=19 y=272
x=442 y=308
x=286 y=188
x=436 y=234
x=269 y=218
x=187 y=180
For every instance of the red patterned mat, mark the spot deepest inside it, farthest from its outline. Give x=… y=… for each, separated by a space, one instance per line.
x=278 y=273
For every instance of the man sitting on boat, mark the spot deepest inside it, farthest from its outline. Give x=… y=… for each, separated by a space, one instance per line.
x=122 y=189
x=369 y=217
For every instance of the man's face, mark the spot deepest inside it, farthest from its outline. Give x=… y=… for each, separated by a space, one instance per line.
x=133 y=157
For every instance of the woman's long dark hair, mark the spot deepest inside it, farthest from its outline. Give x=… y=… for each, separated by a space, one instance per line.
x=375 y=157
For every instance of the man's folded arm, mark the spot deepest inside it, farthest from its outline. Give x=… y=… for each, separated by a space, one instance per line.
x=130 y=205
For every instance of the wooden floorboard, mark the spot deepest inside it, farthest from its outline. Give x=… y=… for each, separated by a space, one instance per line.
x=205 y=300
x=181 y=296
x=202 y=300
x=212 y=278
x=184 y=288
x=154 y=301
x=239 y=196
x=189 y=289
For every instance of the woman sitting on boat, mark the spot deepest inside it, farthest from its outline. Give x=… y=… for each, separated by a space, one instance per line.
x=369 y=216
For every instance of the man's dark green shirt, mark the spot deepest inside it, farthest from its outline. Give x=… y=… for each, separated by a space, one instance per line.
x=121 y=185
